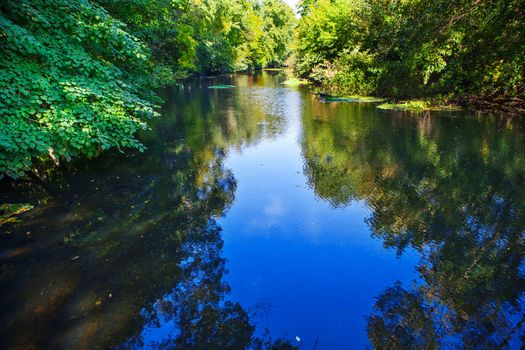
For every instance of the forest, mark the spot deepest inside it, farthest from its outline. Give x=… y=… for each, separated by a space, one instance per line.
x=451 y=49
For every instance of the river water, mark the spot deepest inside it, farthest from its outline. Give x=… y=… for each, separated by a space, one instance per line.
x=262 y=217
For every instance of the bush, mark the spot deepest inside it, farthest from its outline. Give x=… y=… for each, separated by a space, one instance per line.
x=352 y=73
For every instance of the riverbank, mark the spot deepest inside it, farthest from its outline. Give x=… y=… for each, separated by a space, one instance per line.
x=416 y=50
x=488 y=103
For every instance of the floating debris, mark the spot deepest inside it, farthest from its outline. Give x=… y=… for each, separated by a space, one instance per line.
x=419 y=106
x=8 y=212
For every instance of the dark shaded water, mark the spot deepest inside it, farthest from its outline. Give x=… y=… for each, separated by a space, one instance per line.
x=263 y=218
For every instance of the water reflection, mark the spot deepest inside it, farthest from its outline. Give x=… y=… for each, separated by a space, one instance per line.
x=125 y=251
x=453 y=189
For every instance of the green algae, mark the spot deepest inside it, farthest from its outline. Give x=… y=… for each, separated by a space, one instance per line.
x=221 y=86
x=295 y=82
x=356 y=98
x=418 y=106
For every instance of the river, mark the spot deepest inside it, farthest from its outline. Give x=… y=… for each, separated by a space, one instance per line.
x=262 y=217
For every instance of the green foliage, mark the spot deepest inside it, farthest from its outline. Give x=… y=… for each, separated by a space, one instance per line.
x=72 y=83
x=77 y=77
x=240 y=35
x=413 y=48
x=210 y=36
x=278 y=25
x=164 y=25
x=351 y=73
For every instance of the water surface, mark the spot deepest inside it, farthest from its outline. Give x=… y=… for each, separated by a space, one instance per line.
x=261 y=217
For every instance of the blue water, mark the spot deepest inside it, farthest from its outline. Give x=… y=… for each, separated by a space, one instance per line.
x=263 y=217
x=307 y=269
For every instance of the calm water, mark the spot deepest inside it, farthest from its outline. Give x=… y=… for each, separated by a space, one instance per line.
x=261 y=217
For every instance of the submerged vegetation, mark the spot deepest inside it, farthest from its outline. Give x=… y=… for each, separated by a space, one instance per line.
x=78 y=77
x=458 y=50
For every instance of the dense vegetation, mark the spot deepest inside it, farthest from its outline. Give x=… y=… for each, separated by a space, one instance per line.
x=78 y=77
x=210 y=36
x=414 y=48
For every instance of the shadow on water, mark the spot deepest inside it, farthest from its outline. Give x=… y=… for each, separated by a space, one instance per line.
x=122 y=246
x=124 y=251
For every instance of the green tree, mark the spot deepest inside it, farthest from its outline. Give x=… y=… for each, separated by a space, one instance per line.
x=78 y=77
x=74 y=82
x=418 y=48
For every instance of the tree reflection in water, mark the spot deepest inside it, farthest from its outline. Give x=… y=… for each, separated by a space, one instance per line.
x=450 y=188
x=125 y=251
x=123 y=244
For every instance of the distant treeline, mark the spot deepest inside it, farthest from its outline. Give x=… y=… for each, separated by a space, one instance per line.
x=453 y=49
x=77 y=77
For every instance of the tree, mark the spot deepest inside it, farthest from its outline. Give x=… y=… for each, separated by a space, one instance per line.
x=413 y=48
x=73 y=83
